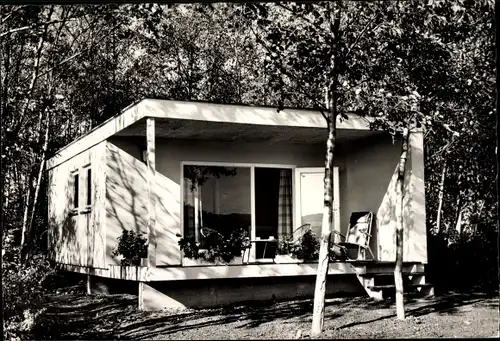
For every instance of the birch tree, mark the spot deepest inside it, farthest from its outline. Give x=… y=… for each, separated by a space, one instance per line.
x=325 y=50
x=391 y=61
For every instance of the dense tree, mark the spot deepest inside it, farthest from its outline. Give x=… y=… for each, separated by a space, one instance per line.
x=65 y=69
x=396 y=62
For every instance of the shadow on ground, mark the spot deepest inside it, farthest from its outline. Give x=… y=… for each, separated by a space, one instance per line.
x=447 y=304
x=78 y=316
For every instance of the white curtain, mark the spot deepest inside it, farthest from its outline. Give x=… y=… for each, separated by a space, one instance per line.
x=192 y=200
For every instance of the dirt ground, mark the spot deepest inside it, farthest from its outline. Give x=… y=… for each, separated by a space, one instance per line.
x=74 y=315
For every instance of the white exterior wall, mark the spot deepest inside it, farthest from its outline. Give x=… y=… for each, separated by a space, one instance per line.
x=366 y=168
x=78 y=239
x=415 y=232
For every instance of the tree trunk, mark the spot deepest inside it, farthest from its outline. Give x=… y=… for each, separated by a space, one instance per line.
x=440 y=199
x=398 y=269
x=34 y=78
x=25 y=247
x=459 y=208
x=458 y=225
x=326 y=224
x=320 y=288
x=478 y=217
x=26 y=212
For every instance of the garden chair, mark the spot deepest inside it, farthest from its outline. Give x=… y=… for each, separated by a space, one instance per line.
x=297 y=234
x=205 y=232
x=358 y=235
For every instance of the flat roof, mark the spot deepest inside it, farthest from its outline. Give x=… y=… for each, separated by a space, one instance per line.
x=202 y=111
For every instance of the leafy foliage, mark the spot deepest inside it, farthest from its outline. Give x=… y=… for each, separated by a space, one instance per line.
x=285 y=246
x=131 y=248
x=22 y=292
x=69 y=68
x=307 y=248
x=200 y=174
x=216 y=247
x=189 y=246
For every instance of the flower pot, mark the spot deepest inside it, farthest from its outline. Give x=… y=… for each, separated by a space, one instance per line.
x=286 y=259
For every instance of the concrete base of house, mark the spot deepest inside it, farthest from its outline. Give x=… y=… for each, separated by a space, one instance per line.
x=111 y=286
x=211 y=293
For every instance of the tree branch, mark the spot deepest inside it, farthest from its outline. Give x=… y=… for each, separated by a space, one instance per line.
x=34 y=76
x=30 y=27
x=321 y=108
x=359 y=36
x=37 y=76
x=76 y=54
x=294 y=13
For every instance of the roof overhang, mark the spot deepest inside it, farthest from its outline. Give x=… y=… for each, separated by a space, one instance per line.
x=207 y=112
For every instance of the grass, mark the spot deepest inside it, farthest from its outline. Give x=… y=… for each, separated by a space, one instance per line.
x=73 y=315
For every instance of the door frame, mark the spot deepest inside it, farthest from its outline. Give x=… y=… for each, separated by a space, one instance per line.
x=299 y=171
x=252 y=167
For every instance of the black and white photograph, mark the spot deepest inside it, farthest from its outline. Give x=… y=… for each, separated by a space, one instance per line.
x=249 y=170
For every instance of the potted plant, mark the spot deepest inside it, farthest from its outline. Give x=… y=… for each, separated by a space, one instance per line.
x=131 y=248
x=215 y=248
x=284 y=252
x=190 y=249
x=307 y=249
x=132 y=252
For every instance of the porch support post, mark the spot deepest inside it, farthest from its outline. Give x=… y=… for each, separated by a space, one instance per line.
x=89 y=288
x=151 y=177
x=140 y=300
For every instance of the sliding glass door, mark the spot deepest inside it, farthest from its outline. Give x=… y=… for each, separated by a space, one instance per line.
x=273 y=209
x=225 y=198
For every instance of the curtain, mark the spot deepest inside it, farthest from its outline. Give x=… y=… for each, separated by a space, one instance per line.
x=192 y=209
x=285 y=203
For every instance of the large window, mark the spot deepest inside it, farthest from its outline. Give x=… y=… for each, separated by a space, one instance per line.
x=220 y=198
x=217 y=198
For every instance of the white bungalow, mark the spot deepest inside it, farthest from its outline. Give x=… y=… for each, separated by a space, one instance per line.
x=130 y=173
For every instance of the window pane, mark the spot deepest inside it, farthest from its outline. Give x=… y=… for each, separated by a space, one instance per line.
x=217 y=198
x=76 y=191
x=273 y=202
x=273 y=208
x=89 y=187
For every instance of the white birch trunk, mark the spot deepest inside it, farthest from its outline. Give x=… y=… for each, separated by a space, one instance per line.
x=440 y=198
x=398 y=269
x=326 y=225
x=320 y=288
x=27 y=244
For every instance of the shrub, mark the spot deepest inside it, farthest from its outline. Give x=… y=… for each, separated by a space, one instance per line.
x=23 y=292
x=131 y=248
